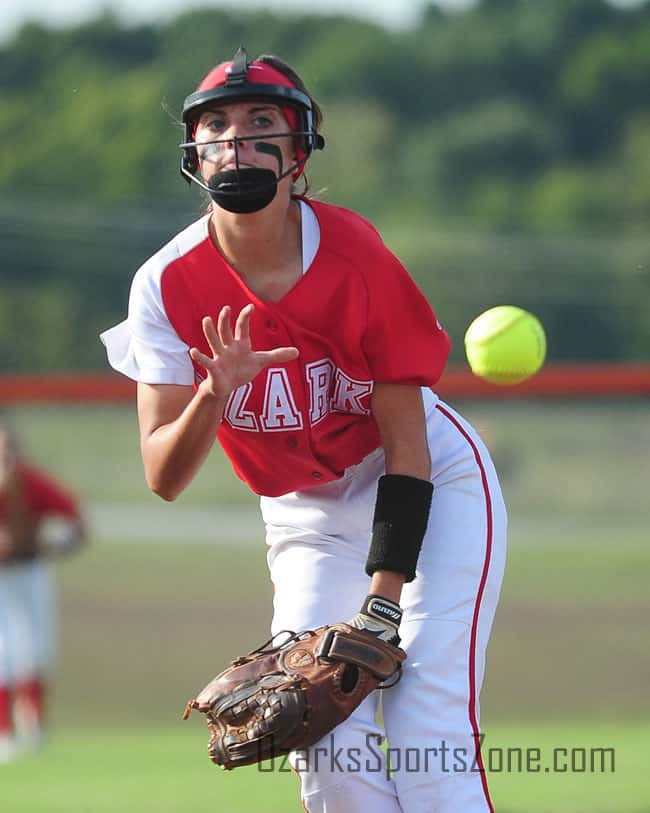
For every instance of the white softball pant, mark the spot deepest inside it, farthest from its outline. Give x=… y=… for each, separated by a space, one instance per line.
x=318 y=542
x=26 y=621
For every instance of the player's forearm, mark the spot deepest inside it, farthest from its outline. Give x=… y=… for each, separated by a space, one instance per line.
x=174 y=453
x=399 y=413
x=406 y=450
x=388 y=584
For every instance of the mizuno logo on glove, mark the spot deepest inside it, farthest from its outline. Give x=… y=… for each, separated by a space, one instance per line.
x=383 y=609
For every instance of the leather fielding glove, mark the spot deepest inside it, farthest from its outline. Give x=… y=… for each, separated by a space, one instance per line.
x=287 y=696
x=380 y=617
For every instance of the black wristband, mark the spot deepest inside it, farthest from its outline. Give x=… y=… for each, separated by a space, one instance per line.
x=400 y=522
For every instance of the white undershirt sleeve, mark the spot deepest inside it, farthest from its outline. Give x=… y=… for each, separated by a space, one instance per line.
x=145 y=346
x=310 y=235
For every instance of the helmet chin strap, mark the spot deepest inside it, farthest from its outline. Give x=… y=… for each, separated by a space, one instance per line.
x=243 y=190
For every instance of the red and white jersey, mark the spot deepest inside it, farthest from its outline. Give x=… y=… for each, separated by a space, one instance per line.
x=41 y=496
x=356 y=317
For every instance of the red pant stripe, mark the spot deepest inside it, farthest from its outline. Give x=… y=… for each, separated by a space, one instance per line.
x=477 y=604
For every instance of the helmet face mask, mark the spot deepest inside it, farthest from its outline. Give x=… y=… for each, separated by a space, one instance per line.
x=244 y=189
x=233 y=85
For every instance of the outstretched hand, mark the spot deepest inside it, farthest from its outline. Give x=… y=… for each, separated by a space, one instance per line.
x=234 y=362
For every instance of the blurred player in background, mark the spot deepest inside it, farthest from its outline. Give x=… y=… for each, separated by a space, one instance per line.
x=39 y=521
x=285 y=327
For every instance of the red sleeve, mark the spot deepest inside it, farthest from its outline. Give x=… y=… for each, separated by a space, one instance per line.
x=45 y=496
x=404 y=342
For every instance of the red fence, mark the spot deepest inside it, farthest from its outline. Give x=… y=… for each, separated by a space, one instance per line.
x=555 y=380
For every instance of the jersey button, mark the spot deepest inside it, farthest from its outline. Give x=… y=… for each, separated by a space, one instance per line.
x=292 y=443
x=317 y=475
x=272 y=325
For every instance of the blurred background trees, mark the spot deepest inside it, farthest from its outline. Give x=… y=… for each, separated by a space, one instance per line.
x=503 y=151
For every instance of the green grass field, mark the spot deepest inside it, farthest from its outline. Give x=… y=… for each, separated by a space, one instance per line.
x=165 y=770
x=139 y=631
x=143 y=626
x=567 y=669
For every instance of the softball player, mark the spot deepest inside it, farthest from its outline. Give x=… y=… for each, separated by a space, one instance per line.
x=284 y=327
x=38 y=520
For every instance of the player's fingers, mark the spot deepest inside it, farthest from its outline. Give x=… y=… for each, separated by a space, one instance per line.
x=242 y=328
x=224 y=328
x=200 y=358
x=210 y=333
x=278 y=356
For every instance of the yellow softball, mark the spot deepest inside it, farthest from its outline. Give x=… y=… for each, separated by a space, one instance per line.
x=505 y=345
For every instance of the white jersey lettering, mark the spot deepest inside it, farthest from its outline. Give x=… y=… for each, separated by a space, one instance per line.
x=330 y=389
x=319 y=376
x=348 y=394
x=236 y=415
x=280 y=411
